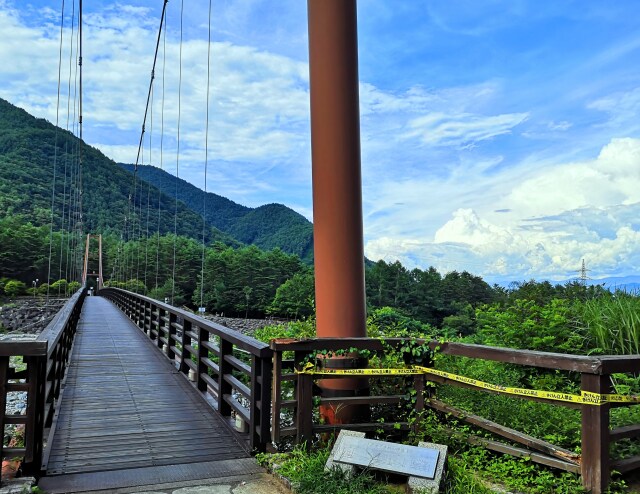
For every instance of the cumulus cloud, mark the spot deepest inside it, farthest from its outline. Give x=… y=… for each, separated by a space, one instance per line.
x=611 y=178
x=545 y=226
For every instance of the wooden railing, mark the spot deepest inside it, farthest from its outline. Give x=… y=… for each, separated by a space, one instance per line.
x=594 y=463
x=45 y=362
x=231 y=368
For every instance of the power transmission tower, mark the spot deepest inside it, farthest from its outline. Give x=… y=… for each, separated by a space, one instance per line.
x=583 y=274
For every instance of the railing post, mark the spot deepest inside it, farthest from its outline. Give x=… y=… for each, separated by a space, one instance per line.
x=171 y=332
x=159 y=324
x=4 y=377
x=266 y=368
x=304 y=411
x=146 y=324
x=34 y=428
x=186 y=340
x=595 y=436
x=154 y=323
x=140 y=314
x=419 y=386
x=260 y=401
x=203 y=353
x=276 y=396
x=224 y=388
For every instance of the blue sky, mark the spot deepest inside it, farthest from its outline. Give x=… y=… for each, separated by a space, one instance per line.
x=498 y=137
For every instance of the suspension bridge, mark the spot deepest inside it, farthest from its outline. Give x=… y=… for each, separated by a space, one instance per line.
x=124 y=390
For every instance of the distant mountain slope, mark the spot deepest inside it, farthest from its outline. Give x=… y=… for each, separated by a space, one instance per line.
x=268 y=226
x=27 y=150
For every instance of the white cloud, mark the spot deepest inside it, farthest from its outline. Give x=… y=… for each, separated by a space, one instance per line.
x=545 y=223
x=562 y=125
x=612 y=178
x=622 y=107
x=462 y=129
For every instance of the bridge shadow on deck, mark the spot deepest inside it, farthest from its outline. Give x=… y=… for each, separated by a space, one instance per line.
x=127 y=417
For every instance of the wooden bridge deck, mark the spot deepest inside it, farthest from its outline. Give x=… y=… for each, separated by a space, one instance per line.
x=125 y=406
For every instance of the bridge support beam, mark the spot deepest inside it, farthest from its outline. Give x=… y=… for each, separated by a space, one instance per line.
x=337 y=189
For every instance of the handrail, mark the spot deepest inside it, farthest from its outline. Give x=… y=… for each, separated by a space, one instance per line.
x=46 y=361
x=238 y=339
x=55 y=329
x=594 y=463
x=237 y=387
x=598 y=364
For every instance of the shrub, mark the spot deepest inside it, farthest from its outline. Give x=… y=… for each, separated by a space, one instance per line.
x=14 y=288
x=59 y=287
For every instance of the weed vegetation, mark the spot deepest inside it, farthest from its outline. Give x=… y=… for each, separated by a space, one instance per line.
x=534 y=316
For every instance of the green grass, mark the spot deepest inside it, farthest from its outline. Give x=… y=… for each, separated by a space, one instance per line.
x=612 y=321
x=305 y=470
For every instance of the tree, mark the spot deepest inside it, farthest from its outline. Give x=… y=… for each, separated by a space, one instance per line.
x=295 y=297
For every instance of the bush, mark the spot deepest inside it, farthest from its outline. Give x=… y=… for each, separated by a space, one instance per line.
x=137 y=286
x=526 y=325
x=59 y=287
x=295 y=329
x=388 y=322
x=13 y=288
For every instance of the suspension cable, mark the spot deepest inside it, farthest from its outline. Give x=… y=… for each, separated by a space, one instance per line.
x=146 y=242
x=140 y=149
x=71 y=221
x=55 y=154
x=175 y=215
x=206 y=163
x=153 y=75
x=80 y=191
x=66 y=147
x=164 y=60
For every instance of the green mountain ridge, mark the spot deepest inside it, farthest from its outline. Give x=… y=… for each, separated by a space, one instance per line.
x=268 y=226
x=28 y=149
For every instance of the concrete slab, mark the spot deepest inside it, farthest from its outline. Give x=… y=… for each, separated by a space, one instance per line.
x=267 y=485
x=205 y=489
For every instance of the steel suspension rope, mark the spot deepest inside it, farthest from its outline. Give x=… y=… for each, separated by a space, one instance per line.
x=66 y=148
x=55 y=154
x=164 y=62
x=138 y=230
x=146 y=242
x=80 y=187
x=144 y=120
x=71 y=234
x=206 y=164
x=175 y=215
x=71 y=221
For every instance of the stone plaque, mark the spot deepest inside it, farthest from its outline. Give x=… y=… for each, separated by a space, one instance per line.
x=389 y=457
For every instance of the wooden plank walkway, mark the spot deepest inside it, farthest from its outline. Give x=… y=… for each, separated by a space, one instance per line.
x=125 y=406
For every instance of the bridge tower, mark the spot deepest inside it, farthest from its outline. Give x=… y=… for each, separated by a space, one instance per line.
x=337 y=189
x=85 y=272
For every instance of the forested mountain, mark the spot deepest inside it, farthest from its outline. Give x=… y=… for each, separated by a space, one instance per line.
x=267 y=227
x=28 y=149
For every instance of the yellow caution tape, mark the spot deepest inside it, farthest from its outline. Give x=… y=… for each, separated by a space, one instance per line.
x=585 y=398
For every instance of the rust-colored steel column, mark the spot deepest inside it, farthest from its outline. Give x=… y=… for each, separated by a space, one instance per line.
x=337 y=189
